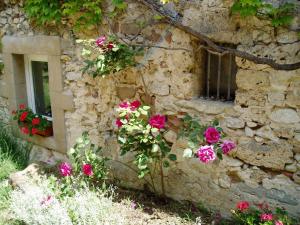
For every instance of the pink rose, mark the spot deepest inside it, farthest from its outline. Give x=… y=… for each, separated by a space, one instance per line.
x=87 y=169
x=278 y=222
x=124 y=105
x=47 y=201
x=206 y=153
x=266 y=217
x=157 y=121
x=100 y=41
x=135 y=104
x=212 y=135
x=227 y=146
x=65 y=169
x=242 y=206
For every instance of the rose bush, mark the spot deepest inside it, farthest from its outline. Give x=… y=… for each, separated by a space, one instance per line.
x=87 y=168
x=142 y=134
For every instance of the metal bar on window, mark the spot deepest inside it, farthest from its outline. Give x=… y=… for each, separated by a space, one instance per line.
x=219 y=77
x=229 y=77
x=208 y=75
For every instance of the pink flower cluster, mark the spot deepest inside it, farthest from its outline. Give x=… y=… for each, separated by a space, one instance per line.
x=65 y=169
x=101 y=43
x=212 y=136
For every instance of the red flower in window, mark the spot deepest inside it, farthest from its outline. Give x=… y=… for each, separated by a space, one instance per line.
x=25 y=130
x=35 y=121
x=23 y=116
x=22 y=106
x=34 y=131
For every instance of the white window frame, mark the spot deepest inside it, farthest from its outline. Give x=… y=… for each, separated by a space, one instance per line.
x=29 y=79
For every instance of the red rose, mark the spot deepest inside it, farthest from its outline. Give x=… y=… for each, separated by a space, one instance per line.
x=212 y=135
x=22 y=106
x=157 y=121
x=135 y=104
x=23 y=116
x=110 y=45
x=87 y=169
x=24 y=130
x=34 y=131
x=35 y=121
x=242 y=206
x=119 y=123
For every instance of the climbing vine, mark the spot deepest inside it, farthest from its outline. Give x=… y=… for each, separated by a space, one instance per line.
x=281 y=15
x=81 y=13
x=107 y=55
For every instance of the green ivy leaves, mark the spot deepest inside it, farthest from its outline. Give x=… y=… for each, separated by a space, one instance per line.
x=281 y=15
x=82 y=13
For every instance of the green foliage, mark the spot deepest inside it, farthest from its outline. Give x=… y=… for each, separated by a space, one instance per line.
x=281 y=15
x=1 y=67
x=83 y=13
x=112 y=57
x=12 y=151
x=44 y=12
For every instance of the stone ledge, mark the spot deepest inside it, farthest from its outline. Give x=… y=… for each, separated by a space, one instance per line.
x=38 y=45
x=205 y=106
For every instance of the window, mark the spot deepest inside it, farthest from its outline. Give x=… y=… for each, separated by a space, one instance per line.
x=37 y=82
x=219 y=80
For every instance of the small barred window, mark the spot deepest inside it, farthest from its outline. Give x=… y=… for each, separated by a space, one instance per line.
x=220 y=76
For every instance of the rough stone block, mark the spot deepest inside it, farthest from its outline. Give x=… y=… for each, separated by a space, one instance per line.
x=126 y=92
x=285 y=116
x=273 y=155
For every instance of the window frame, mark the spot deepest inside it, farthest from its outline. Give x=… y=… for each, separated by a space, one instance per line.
x=29 y=80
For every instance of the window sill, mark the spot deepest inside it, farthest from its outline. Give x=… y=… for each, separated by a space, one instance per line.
x=205 y=106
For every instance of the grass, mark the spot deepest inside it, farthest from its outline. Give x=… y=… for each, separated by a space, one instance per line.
x=14 y=156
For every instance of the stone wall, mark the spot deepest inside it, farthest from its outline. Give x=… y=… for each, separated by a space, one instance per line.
x=264 y=120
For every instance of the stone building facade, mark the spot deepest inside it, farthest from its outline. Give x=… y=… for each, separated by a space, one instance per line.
x=263 y=119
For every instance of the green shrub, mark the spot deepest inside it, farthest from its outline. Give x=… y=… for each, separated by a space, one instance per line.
x=13 y=151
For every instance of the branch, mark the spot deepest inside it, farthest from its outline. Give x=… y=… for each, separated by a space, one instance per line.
x=176 y=21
